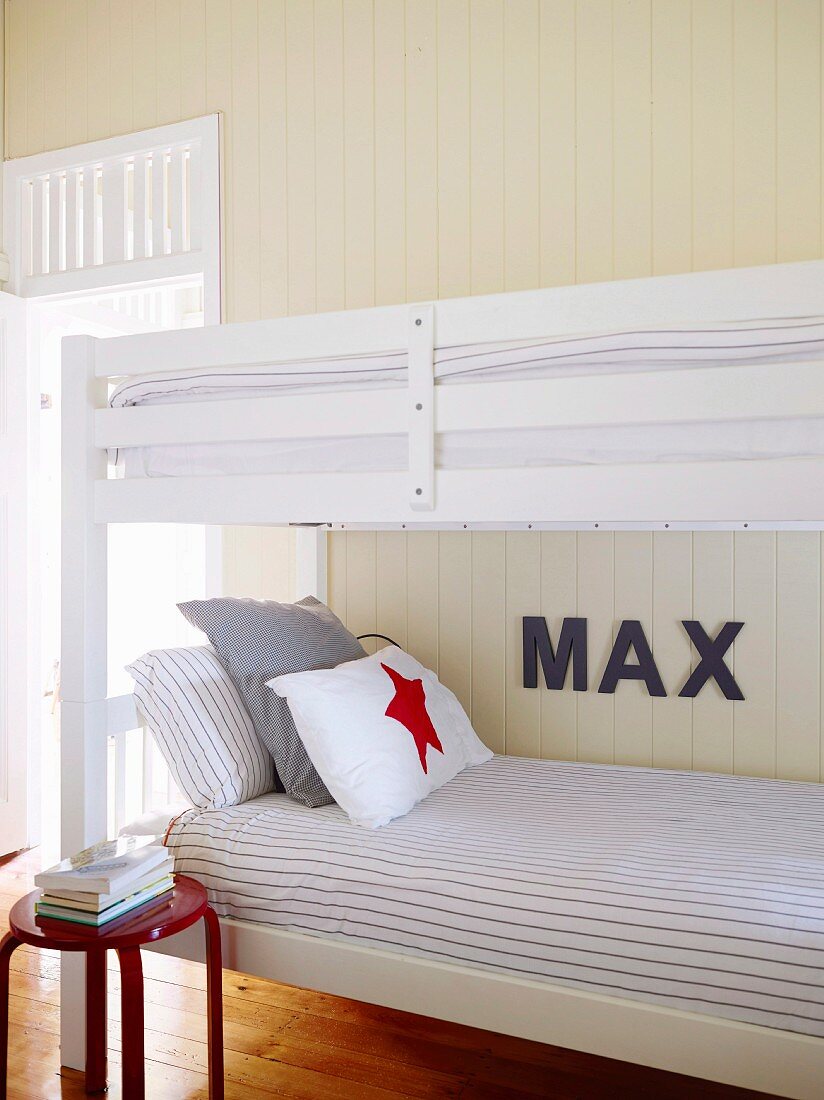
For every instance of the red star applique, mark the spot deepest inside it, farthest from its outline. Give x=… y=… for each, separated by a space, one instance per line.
x=408 y=706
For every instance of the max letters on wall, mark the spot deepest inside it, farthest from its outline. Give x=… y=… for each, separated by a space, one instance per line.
x=631 y=658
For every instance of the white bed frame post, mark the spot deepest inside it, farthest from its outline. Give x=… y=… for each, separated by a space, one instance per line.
x=310 y=562
x=83 y=645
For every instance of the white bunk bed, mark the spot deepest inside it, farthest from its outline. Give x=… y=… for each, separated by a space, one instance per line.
x=783 y=491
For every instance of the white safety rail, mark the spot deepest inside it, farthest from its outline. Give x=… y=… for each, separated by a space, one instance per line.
x=732 y=493
x=137 y=777
x=146 y=203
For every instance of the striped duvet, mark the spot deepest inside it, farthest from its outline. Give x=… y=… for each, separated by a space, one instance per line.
x=700 y=892
x=793 y=339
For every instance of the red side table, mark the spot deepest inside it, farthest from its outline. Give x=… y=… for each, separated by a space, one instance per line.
x=186 y=904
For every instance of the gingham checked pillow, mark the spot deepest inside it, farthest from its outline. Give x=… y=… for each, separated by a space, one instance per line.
x=257 y=640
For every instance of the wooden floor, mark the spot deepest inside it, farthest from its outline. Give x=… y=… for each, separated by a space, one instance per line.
x=287 y=1042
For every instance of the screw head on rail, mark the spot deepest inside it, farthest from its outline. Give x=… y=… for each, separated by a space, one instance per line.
x=419 y=492
x=418 y=321
x=419 y=406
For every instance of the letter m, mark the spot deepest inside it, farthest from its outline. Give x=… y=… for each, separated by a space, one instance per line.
x=572 y=646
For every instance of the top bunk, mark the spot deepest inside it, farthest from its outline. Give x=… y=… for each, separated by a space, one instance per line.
x=675 y=401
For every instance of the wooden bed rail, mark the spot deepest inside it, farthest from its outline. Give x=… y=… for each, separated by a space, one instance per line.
x=707 y=394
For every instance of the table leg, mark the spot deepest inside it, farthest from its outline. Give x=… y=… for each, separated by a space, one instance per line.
x=96 y=1037
x=131 y=982
x=214 y=997
x=7 y=946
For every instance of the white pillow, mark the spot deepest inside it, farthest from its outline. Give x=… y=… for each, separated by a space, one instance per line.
x=201 y=726
x=383 y=732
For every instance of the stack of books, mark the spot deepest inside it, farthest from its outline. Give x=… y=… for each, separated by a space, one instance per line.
x=106 y=881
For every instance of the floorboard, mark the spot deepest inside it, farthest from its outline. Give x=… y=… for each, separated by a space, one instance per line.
x=299 y=1045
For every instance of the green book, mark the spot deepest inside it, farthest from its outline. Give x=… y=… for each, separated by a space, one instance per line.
x=119 y=909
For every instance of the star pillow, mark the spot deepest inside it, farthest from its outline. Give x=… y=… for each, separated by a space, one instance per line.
x=383 y=732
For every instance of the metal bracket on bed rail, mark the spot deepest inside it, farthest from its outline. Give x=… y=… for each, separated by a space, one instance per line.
x=422 y=408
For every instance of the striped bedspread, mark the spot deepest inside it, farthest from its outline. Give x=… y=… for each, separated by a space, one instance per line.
x=792 y=339
x=700 y=892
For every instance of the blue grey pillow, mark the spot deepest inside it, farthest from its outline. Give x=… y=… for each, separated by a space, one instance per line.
x=259 y=639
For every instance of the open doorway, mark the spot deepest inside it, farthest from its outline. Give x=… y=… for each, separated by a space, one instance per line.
x=152 y=567
x=106 y=239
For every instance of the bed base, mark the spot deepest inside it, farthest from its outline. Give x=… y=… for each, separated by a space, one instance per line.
x=759 y=1058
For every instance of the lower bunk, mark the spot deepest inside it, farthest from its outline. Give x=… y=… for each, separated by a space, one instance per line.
x=671 y=919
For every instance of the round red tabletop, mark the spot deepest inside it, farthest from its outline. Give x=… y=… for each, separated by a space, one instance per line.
x=185 y=905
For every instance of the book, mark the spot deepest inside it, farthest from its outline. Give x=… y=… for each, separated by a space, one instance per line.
x=148 y=910
x=128 y=905
x=106 y=867
x=96 y=903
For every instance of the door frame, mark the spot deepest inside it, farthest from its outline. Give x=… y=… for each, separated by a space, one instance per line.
x=19 y=629
x=188 y=246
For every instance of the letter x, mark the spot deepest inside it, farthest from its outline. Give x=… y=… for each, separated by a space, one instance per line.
x=711 y=651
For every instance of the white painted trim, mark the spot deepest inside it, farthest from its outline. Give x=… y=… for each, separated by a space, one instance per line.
x=212 y=230
x=201 y=134
x=779 y=1062
x=122 y=145
x=35 y=722
x=113 y=276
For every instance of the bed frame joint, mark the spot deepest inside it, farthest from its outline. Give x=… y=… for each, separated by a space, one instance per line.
x=422 y=407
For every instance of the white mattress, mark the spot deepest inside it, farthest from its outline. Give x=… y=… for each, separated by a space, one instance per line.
x=700 y=892
x=793 y=340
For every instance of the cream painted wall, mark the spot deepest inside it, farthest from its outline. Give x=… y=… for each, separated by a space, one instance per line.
x=456 y=601
x=377 y=151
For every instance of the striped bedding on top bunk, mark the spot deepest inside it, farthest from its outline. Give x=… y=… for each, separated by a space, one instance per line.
x=773 y=341
x=734 y=344
x=700 y=892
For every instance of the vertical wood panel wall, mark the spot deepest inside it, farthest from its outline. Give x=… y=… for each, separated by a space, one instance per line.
x=378 y=151
x=456 y=600
x=381 y=150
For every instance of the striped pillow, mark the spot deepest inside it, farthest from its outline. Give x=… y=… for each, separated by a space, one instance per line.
x=201 y=726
